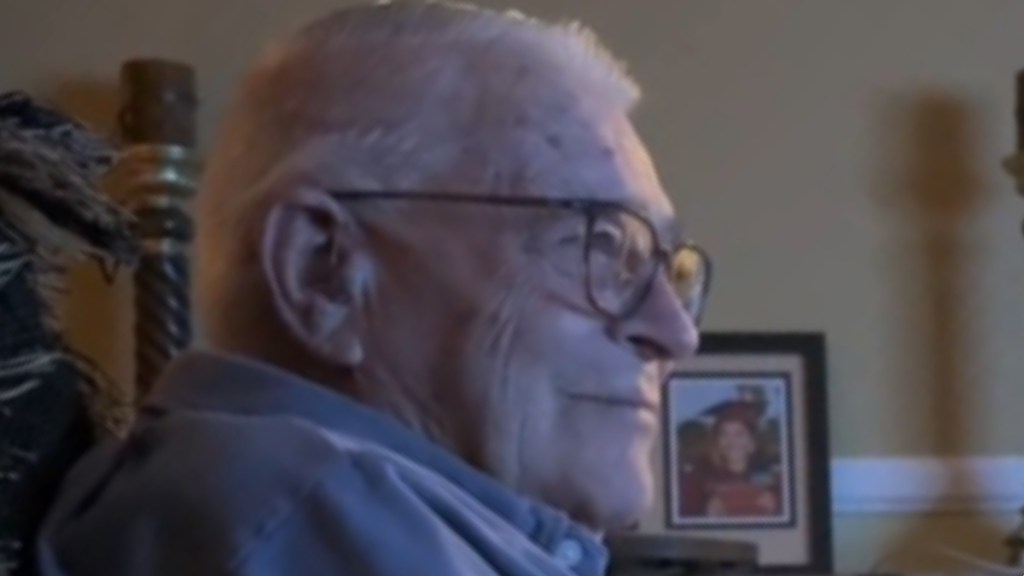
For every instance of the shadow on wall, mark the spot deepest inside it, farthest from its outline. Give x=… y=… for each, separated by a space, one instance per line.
x=98 y=316
x=932 y=191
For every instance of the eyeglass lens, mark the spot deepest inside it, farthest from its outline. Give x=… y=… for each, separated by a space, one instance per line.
x=622 y=262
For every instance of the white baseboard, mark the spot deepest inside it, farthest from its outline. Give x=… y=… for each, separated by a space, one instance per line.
x=927 y=485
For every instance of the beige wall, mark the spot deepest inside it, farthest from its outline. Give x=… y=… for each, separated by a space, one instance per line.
x=839 y=159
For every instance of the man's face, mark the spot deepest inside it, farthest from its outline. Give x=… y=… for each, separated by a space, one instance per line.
x=587 y=388
x=524 y=376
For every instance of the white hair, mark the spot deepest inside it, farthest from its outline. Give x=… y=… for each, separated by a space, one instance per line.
x=392 y=96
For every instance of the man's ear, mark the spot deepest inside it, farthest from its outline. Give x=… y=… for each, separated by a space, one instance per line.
x=315 y=263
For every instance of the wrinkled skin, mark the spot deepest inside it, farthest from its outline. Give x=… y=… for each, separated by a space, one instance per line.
x=461 y=322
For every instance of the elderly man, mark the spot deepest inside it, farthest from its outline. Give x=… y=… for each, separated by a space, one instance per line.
x=441 y=285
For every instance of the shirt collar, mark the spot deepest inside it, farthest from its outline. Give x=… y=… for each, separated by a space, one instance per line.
x=207 y=381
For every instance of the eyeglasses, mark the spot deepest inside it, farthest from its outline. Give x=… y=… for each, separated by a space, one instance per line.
x=617 y=246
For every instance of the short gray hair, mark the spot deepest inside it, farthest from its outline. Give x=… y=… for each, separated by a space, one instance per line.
x=391 y=96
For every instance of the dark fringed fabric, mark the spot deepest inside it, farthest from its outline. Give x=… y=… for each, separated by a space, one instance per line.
x=51 y=399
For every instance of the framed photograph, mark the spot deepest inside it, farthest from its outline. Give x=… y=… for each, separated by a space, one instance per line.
x=730 y=450
x=744 y=448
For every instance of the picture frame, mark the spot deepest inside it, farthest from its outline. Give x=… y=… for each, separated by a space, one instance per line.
x=730 y=449
x=744 y=452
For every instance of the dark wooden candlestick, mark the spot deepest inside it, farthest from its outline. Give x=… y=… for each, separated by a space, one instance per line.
x=1014 y=165
x=1019 y=110
x=155 y=177
x=1015 y=544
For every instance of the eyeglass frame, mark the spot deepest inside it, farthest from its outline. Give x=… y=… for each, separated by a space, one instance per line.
x=588 y=207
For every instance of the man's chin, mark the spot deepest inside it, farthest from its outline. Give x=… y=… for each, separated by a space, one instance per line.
x=618 y=506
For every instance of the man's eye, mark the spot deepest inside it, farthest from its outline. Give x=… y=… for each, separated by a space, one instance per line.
x=606 y=239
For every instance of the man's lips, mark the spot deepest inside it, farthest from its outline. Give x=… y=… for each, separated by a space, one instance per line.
x=634 y=402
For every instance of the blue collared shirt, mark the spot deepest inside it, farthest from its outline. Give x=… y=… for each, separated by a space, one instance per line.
x=236 y=468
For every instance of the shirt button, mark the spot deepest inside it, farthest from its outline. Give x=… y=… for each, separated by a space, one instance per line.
x=569 y=553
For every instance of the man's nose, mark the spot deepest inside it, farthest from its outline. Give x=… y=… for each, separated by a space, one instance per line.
x=661 y=329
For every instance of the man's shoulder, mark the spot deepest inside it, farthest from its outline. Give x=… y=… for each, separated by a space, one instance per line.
x=213 y=494
x=224 y=446
x=215 y=483
x=230 y=459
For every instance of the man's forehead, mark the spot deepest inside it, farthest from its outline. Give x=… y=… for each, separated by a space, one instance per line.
x=620 y=169
x=669 y=230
